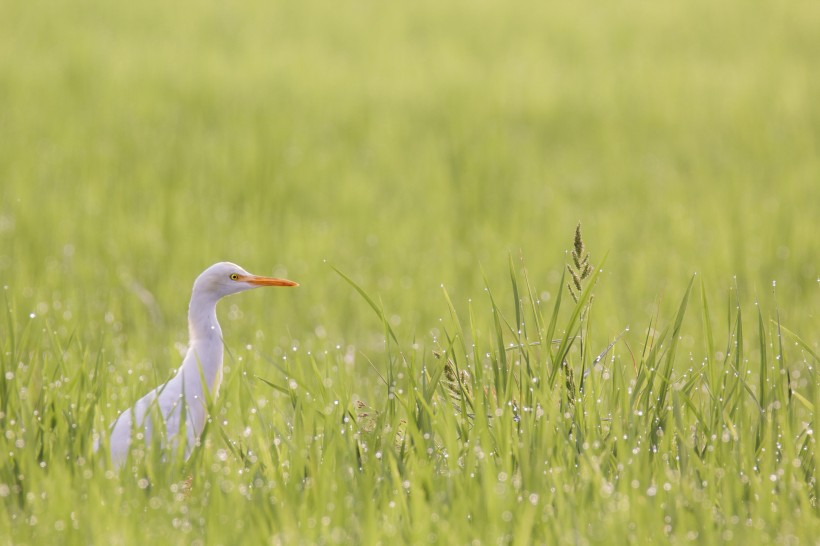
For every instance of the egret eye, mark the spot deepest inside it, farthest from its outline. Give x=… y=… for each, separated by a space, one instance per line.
x=234 y=276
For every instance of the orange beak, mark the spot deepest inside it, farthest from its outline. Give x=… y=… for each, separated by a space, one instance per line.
x=266 y=281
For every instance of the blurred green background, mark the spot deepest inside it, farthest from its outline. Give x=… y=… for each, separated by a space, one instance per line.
x=410 y=145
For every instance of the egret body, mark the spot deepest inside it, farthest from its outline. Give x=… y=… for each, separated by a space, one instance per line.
x=201 y=369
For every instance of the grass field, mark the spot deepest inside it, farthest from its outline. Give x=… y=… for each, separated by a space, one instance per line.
x=420 y=169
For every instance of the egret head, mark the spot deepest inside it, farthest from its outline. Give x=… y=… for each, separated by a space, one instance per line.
x=224 y=278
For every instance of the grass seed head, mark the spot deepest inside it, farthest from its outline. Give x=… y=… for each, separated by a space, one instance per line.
x=580 y=267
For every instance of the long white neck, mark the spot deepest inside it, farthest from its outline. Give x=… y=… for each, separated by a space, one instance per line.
x=205 y=350
x=202 y=323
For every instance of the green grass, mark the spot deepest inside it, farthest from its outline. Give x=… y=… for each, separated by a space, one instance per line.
x=438 y=156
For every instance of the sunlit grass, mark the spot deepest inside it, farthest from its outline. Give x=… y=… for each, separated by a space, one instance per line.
x=644 y=444
x=435 y=387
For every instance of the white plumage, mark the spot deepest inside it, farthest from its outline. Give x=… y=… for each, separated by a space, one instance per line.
x=201 y=368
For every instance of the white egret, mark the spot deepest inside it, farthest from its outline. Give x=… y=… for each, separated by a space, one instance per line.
x=184 y=394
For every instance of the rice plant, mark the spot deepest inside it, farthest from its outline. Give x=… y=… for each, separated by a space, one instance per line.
x=474 y=440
